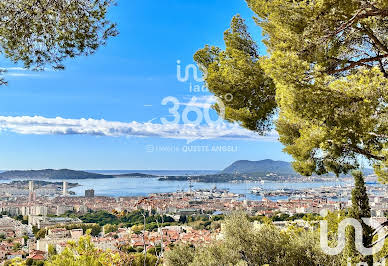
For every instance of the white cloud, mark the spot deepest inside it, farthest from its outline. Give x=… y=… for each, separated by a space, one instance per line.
x=19 y=72
x=38 y=125
x=204 y=102
x=23 y=69
x=9 y=74
x=16 y=69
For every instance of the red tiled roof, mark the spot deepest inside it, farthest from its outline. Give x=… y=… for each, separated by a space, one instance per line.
x=36 y=257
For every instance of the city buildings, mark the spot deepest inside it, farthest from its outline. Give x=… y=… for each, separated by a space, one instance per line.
x=51 y=213
x=89 y=193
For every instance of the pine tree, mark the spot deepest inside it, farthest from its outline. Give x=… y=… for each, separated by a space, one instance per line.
x=44 y=33
x=360 y=209
x=323 y=81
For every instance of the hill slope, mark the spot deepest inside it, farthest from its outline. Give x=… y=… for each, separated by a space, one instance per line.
x=263 y=166
x=51 y=174
x=269 y=166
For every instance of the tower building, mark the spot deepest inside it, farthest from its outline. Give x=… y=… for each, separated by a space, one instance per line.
x=31 y=192
x=64 y=188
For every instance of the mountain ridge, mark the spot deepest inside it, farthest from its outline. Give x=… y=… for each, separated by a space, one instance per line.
x=267 y=166
x=51 y=174
x=261 y=166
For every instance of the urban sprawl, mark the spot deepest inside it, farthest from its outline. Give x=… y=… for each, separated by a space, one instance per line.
x=35 y=218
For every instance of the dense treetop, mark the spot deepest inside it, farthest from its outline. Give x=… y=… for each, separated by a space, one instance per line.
x=46 y=32
x=323 y=82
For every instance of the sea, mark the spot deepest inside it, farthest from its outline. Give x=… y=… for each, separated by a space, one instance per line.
x=129 y=186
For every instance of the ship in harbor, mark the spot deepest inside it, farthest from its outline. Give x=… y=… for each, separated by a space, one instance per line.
x=273 y=193
x=257 y=190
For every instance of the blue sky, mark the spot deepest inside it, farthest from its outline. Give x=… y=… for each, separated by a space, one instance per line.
x=125 y=81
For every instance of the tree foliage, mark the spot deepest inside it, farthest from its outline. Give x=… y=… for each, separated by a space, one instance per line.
x=383 y=253
x=360 y=209
x=126 y=220
x=41 y=233
x=325 y=78
x=110 y=228
x=246 y=244
x=84 y=253
x=47 y=32
x=236 y=76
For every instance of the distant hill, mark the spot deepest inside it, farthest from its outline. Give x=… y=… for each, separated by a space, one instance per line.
x=51 y=174
x=268 y=166
x=138 y=175
x=263 y=166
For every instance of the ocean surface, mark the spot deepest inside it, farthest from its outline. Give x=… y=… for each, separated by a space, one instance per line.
x=128 y=186
x=119 y=187
x=156 y=172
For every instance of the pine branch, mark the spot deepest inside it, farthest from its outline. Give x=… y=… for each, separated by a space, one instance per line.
x=358 y=63
x=361 y=14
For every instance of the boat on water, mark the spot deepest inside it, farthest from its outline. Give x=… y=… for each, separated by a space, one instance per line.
x=256 y=190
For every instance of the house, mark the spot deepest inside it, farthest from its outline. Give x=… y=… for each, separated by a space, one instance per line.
x=37 y=255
